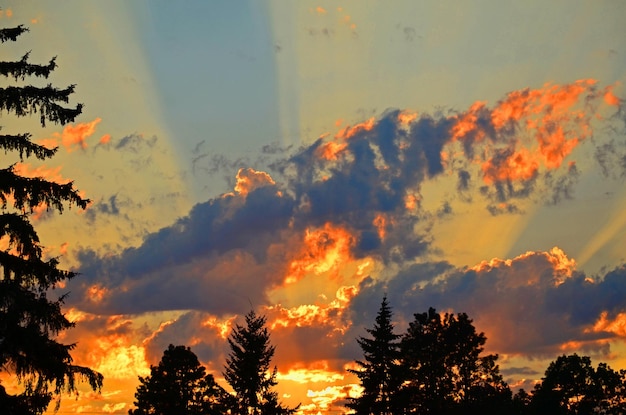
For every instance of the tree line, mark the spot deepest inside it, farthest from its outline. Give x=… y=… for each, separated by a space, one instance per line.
x=436 y=367
x=179 y=384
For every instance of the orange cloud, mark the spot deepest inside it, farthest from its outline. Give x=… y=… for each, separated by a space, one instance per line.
x=577 y=345
x=117 y=359
x=109 y=345
x=346 y=294
x=328 y=398
x=222 y=328
x=113 y=408
x=406 y=117
x=519 y=165
x=105 y=139
x=548 y=123
x=349 y=131
x=327 y=320
x=249 y=179
x=380 y=222
x=467 y=122
x=332 y=149
x=97 y=293
x=616 y=326
x=48 y=173
x=561 y=265
x=609 y=97
x=324 y=249
x=315 y=372
x=551 y=101
x=73 y=136
x=302 y=315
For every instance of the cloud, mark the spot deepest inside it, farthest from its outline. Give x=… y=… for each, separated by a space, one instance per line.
x=611 y=156
x=517 y=302
x=74 y=136
x=203 y=332
x=219 y=244
x=110 y=345
x=345 y=212
x=519 y=371
x=113 y=206
x=250 y=179
x=8 y=13
x=52 y=174
x=135 y=142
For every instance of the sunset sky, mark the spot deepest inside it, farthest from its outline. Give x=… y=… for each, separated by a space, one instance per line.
x=305 y=158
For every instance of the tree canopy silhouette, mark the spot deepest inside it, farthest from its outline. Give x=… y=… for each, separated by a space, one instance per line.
x=380 y=374
x=437 y=367
x=572 y=386
x=29 y=319
x=248 y=369
x=447 y=372
x=179 y=384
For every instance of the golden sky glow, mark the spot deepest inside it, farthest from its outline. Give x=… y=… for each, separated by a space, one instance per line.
x=305 y=158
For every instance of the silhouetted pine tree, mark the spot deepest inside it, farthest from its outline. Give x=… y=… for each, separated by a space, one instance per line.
x=179 y=384
x=29 y=320
x=248 y=372
x=381 y=375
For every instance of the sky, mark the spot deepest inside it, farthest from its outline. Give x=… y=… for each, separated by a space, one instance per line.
x=305 y=159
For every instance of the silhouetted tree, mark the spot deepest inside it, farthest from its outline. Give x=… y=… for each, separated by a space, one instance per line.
x=179 y=384
x=381 y=374
x=572 y=386
x=248 y=371
x=611 y=390
x=447 y=373
x=521 y=402
x=29 y=320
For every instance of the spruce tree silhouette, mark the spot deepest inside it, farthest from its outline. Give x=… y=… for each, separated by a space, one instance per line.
x=29 y=320
x=248 y=371
x=380 y=373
